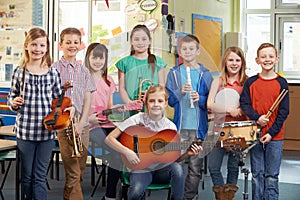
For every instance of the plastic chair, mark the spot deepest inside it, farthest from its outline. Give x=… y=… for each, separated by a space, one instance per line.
x=153 y=186
x=96 y=151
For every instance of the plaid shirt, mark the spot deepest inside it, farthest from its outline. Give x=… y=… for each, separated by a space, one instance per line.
x=80 y=79
x=39 y=92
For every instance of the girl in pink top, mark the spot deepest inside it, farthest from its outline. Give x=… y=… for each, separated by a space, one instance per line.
x=96 y=61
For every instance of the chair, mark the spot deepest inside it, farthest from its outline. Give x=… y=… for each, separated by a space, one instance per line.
x=98 y=152
x=10 y=156
x=102 y=174
x=153 y=186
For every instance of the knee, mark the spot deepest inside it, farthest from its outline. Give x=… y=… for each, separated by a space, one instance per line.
x=136 y=191
x=177 y=170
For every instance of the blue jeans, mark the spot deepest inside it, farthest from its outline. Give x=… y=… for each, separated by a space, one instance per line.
x=215 y=159
x=265 y=166
x=140 y=181
x=35 y=157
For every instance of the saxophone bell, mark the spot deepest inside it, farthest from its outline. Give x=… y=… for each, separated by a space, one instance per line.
x=142 y=92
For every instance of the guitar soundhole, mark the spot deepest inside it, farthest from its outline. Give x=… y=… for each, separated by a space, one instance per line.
x=158 y=146
x=222 y=133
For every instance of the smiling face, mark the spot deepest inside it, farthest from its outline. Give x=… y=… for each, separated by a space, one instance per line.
x=233 y=64
x=189 y=51
x=140 y=41
x=97 y=63
x=70 y=46
x=37 y=48
x=156 y=104
x=267 y=58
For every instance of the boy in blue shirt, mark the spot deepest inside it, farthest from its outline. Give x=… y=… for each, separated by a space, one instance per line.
x=188 y=85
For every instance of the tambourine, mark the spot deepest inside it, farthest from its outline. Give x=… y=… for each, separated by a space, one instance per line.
x=228 y=97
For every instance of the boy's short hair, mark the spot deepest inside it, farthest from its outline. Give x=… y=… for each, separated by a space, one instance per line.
x=69 y=31
x=190 y=38
x=265 y=45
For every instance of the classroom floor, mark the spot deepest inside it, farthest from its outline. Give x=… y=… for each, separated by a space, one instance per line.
x=289 y=183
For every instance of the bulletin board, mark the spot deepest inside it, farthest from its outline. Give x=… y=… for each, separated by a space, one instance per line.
x=209 y=31
x=16 y=14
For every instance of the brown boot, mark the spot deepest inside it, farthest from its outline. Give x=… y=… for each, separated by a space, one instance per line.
x=219 y=192
x=230 y=190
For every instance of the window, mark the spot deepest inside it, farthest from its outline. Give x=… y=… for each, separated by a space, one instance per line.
x=277 y=22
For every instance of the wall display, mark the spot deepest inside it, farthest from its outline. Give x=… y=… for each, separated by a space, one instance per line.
x=15 y=14
x=209 y=31
x=11 y=48
x=148 y=5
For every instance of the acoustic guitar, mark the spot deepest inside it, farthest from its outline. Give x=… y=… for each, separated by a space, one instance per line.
x=164 y=146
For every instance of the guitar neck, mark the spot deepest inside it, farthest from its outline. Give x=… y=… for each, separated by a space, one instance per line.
x=175 y=146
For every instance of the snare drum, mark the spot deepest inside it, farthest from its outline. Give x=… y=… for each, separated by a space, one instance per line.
x=246 y=129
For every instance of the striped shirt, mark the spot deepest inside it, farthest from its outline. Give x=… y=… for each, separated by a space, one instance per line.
x=80 y=79
x=39 y=91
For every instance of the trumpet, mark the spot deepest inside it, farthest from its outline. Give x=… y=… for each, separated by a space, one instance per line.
x=142 y=93
x=75 y=141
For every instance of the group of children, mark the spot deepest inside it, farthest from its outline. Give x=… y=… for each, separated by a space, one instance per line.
x=189 y=89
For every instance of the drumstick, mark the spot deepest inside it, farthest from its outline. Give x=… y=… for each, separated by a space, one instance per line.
x=276 y=103
x=284 y=92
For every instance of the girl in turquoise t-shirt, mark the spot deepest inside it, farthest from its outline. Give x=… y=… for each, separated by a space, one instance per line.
x=140 y=67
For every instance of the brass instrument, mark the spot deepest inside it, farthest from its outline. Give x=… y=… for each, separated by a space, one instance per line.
x=142 y=93
x=75 y=141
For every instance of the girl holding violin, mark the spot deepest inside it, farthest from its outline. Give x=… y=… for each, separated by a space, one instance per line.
x=96 y=61
x=34 y=85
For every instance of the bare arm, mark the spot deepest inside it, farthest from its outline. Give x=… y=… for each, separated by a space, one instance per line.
x=112 y=141
x=161 y=77
x=85 y=112
x=122 y=87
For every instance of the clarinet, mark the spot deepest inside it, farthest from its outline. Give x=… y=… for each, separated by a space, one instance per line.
x=189 y=82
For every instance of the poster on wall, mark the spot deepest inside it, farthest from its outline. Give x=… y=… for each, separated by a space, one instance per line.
x=11 y=48
x=15 y=14
x=209 y=31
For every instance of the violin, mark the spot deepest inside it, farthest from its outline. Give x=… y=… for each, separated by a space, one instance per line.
x=58 y=119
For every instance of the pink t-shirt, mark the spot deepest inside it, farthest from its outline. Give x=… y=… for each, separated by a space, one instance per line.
x=101 y=97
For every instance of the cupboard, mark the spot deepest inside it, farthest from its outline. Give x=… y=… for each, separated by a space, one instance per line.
x=292 y=132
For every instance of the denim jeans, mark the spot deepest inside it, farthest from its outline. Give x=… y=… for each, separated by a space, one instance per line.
x=215 y=159
x=98 y=135
x=35 y=158
x=265 y=166
x=139 y=181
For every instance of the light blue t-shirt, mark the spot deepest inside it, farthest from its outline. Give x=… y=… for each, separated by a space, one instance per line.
x=189 y=115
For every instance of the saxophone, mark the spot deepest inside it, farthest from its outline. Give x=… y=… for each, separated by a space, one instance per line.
x=142 y=93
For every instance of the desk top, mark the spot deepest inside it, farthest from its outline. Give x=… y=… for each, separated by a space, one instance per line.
x=6 y=145
x=7 y=130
